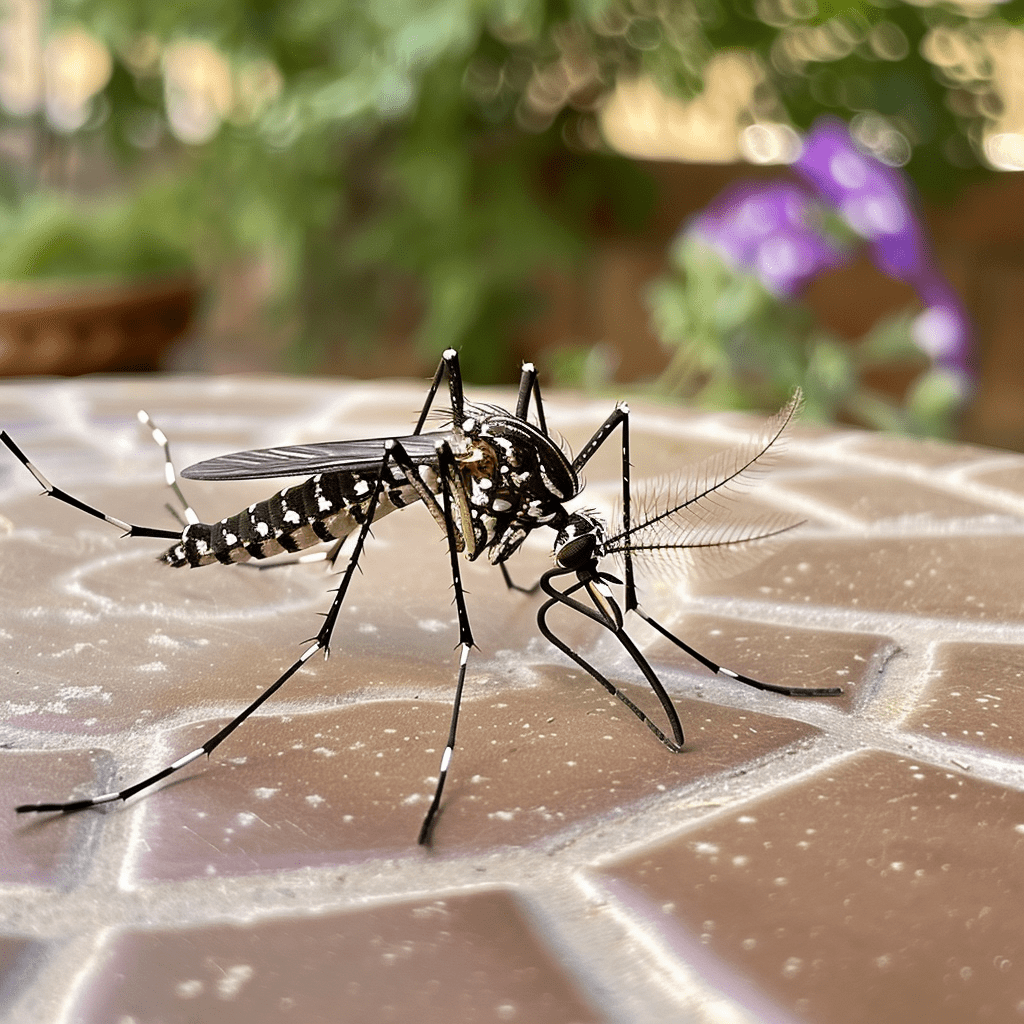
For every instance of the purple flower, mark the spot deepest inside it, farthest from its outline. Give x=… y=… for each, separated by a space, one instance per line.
x=872 y=198
x=771 y=230
x=877 y=202
x=943 y=330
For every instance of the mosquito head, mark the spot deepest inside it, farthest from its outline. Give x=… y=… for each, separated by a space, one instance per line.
x=579 y=541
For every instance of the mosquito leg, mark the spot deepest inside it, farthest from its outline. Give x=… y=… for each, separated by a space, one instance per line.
x=447 y=475
x=467 y=537
x=788 y=691
x=328 y=555
x=449 y=365
x=207 y=748
x=527 y=383
x=68 y=499
x=446 y=467
x=674 y=744
x=320 y=643
x=175 y=514
x=627 y=555
x=512 y=585
x=169 y=475
x=621 y=415
x=529 y=387
x=618 y=415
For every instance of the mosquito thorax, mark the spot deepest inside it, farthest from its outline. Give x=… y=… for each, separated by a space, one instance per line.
x=516 y=479
x=579 y=541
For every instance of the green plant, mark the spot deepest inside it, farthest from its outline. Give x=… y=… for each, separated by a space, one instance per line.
x=49 y=237
x=732 y=308
x=736 y=345
x=439 y=154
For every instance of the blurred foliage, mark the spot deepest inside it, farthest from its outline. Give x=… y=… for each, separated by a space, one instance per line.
x=47 y=237
x=927 y=68
x=383 y=152
x=738 y=346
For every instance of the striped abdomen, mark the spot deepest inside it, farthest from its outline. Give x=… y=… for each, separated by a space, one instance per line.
x=326 y=507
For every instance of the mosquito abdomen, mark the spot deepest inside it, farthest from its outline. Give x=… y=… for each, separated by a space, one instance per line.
x=326 y=507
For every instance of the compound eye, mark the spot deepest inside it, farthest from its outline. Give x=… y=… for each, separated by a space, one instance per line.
x=576 y=552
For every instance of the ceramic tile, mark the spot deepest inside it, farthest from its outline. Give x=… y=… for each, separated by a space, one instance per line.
x=1009 y=477
x=913 y=452
x=863 y=892
x=17 y=959
x=824 y=859
x=871 y=498
x=974 y=698
x=455 y=959
x=969 y=577
x=343 y=786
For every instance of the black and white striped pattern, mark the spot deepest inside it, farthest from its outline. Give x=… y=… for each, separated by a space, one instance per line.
x=129 y=529
x=489 y=479
x=327 y=507
x=511 y=478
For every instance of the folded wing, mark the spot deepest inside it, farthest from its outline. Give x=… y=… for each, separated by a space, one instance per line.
x=307 y=459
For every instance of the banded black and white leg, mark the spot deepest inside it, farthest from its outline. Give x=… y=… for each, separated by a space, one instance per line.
x=448 y=474
x=454 y=516
x=393 y=453
x=620 y=418
x=529 y=388
x=511 y=583
x=606 y=612
x=448 y=368
x=321 y=643
x=632 y=603
x=128 y=529
x=170 y=476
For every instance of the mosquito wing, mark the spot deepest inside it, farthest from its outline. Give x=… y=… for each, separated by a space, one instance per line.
x=688 y=525
x=322 y=457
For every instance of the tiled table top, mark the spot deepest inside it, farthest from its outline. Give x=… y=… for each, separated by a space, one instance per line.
x=833 y=860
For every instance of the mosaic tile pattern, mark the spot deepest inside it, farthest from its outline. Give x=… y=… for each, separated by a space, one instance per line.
x=843 y=859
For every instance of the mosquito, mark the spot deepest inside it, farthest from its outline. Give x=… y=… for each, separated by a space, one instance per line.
x=489 y=477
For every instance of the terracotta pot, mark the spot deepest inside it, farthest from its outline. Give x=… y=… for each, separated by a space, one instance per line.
x=71 y=328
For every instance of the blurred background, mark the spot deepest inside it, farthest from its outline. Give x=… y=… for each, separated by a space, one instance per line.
x=706 y=200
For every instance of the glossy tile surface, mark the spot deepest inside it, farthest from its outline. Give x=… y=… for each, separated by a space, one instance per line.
x=823 y=860
x=464 y=958
x=878 y=888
